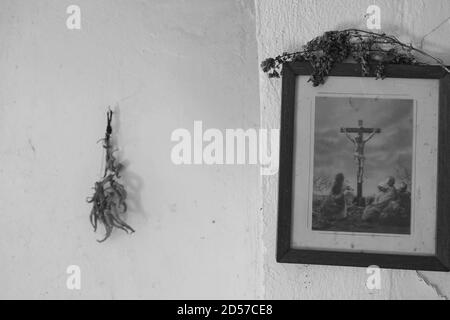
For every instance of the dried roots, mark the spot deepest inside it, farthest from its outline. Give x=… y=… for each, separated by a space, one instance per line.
x=109 y=199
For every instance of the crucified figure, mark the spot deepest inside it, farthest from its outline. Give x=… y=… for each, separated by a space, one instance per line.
x=359 y=141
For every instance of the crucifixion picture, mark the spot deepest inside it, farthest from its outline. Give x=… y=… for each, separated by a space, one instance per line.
x=362 y=176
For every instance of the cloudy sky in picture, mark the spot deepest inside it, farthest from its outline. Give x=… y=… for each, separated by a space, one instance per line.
x=387 y=154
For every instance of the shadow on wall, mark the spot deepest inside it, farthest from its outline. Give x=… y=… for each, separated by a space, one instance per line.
x=132 y=181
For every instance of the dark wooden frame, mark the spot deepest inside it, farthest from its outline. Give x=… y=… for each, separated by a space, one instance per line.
x=286 y=254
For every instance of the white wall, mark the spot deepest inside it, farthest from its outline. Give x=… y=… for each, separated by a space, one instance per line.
x=161 y=64
x=285 y=25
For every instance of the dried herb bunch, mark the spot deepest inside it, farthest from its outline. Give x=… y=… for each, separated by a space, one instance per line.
x=369 y=49
x=109 y=199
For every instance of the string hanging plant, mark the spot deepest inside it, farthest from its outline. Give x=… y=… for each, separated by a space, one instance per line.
x=109 y=198
x=373 y=51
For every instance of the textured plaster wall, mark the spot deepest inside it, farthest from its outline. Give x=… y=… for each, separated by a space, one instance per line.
x=285 y=25
x=160 y=64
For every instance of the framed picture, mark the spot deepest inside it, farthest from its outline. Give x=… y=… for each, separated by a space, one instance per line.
x=365 y=168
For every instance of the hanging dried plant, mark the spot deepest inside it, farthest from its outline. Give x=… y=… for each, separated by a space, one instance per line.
x=369 y=49
x=109 y=199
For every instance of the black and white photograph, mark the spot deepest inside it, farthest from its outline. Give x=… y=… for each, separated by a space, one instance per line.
x=232 y=158
x=363 y=165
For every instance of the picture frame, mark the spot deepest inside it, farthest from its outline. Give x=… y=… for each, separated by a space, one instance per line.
x=438 y=259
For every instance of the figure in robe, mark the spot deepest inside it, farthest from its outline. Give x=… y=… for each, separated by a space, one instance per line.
x=398 y=212
x=334 y=206
x=386 y=194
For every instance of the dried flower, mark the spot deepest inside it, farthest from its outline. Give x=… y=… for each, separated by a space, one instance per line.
x=109 y=199
x=369 y=49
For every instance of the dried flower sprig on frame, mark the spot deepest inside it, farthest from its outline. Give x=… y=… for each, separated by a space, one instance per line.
x=369 y=49
x=109 y=199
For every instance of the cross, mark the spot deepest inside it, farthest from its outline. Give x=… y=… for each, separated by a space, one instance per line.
x=359 y=141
